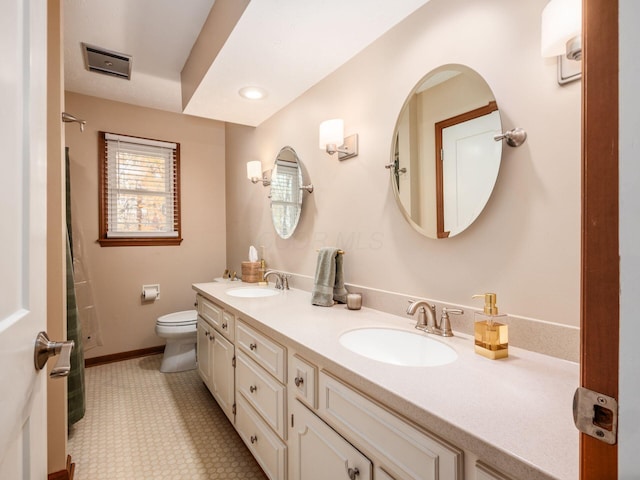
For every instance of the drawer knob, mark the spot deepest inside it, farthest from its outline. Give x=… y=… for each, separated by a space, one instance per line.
x=353 y=473
x=253 y=388
x=253 y=346
x=206 y=333
x=224 y=326
x=254 y=438
x=298 y=381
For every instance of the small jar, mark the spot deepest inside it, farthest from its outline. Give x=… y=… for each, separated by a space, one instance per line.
x=354 y=301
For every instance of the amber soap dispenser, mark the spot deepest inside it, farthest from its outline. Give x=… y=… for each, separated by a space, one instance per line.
x=491 y=335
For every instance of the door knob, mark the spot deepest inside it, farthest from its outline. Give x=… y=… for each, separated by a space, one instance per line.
x=45 y=348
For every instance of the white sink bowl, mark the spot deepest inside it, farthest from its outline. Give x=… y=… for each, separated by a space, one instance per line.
x=398 y=347
x=252 y=292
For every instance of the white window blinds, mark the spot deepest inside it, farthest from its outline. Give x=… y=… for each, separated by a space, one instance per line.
x=141 y=188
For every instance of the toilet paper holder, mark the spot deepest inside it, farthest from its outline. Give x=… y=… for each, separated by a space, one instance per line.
x=151 y=293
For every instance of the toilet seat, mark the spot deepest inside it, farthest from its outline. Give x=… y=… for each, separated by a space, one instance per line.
x=176 y=319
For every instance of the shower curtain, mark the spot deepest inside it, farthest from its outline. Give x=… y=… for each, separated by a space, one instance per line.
x=75 y=384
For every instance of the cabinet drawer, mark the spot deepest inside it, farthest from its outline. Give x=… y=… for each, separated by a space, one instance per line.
x=228 y=325
x=265 y=394
x=209 y=311
x=403 y=451
x=302 y=380
x=264 y=351
x=222 y=321
x=266 y=447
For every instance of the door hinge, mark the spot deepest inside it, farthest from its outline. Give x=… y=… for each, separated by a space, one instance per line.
x=442 y=154
x=233 y=362
x=596 y=415
x=292 y=420
x=233 y=408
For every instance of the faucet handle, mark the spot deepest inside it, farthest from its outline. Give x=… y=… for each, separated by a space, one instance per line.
x=445 y=323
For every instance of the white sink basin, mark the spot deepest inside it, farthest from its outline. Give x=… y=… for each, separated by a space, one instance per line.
x=398 y=347
x=252 y=292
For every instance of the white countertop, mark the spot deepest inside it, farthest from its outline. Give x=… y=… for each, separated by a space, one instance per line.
x=513 y=413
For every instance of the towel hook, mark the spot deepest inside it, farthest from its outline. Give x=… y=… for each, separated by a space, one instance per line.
x=67 y=117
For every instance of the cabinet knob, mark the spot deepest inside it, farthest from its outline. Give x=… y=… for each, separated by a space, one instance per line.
x=254 y=438
x=298 y=381
x=253 y=388
x=206 y=333
x=353 y=473
x=253 y=346
x=224 y=326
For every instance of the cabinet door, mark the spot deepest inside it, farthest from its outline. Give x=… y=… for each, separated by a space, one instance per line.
x=222 y=375
x=397 y=447
x=317 y=452
x=484 y=472
x=202 y=352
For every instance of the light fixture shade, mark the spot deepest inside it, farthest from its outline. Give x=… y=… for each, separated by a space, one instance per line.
x=331 y=132
x=561 y=21
x=254 y=169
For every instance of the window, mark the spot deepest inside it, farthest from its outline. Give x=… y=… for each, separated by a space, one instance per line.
x=139 y=190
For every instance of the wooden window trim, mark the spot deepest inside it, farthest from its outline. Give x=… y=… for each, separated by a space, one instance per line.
x=102 y=205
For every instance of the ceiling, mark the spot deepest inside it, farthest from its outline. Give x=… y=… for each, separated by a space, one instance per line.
x=282 y=46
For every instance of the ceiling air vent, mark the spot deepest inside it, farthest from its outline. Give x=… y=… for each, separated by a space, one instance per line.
x=100 y=60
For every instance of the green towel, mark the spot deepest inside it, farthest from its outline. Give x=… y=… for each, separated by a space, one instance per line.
x=329 y=280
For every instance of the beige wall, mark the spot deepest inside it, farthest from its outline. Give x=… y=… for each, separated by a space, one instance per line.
x=118 y=273
x=525 y=245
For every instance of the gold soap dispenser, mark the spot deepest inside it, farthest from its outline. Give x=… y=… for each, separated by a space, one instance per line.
x=491 y=335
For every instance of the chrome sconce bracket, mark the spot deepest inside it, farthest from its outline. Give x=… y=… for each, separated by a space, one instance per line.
x=348 y=149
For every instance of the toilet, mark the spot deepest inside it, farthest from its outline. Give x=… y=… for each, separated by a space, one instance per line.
x=179 y=329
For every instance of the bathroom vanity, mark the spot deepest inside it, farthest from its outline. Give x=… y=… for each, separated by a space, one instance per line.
x=309 y=408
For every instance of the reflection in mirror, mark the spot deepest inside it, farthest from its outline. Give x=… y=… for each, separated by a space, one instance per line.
x=286 y=192
x=445 y=160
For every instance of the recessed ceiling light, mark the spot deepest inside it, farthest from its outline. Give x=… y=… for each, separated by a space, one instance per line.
x=252 y=93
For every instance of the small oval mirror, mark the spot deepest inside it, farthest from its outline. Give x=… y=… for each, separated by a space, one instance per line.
x=445 y=161
x=286 y=192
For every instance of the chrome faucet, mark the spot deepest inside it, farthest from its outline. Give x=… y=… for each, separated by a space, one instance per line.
x=278 y=277
x=426 y=315
x=282 y=279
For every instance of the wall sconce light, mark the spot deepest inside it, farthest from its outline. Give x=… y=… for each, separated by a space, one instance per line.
x=254 y=173
x=562 y=36
x=332 y=139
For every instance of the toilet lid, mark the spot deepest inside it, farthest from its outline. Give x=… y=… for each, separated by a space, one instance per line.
x=186 y=317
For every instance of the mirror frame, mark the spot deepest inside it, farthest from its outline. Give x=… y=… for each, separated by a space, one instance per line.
x=278 y=226
x=394 y=167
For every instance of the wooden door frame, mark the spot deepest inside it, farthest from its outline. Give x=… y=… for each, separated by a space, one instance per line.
x=491 y=107
x=600 y=269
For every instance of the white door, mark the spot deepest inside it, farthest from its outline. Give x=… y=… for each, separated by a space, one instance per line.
x=468 y=183
x=23 y=427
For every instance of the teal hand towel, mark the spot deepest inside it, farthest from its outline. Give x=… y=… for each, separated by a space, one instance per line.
x=329 y=280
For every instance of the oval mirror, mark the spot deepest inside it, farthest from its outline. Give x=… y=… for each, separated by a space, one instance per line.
x=445 y=161
x=286 y=192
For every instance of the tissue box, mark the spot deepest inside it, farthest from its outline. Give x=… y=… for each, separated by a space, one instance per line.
x=251 y=272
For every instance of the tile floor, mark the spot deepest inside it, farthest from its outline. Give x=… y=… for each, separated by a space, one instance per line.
x=141 y=424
